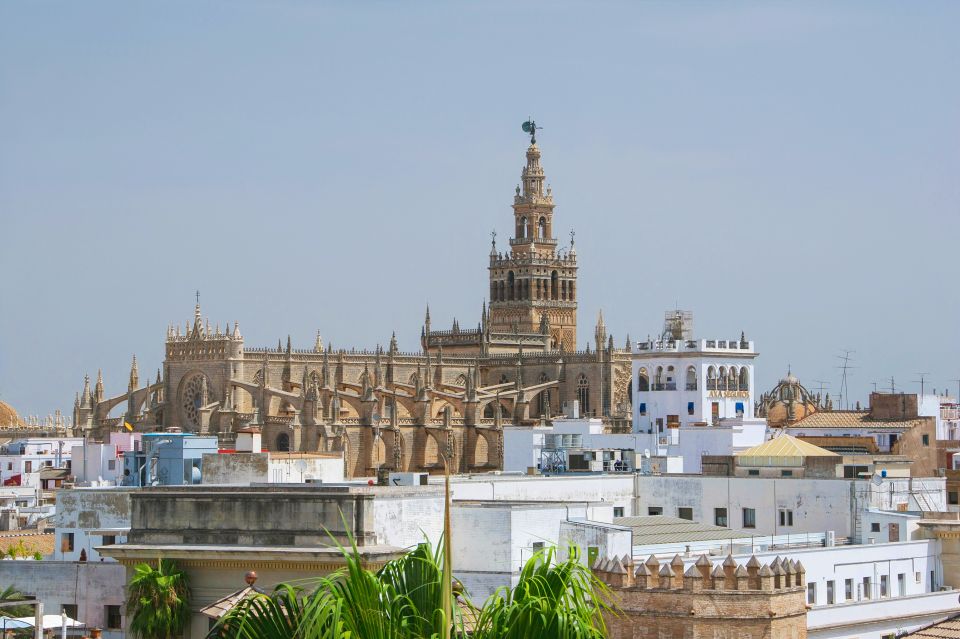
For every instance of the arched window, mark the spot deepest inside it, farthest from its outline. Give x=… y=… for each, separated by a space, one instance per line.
x=283 y=443
x=583 y=394
x=542 y=228
x=744 y=379
x=493 y=291
x=570 y=295
x=643 y=381
x=563 y=290
x=691 y=378
x=732 y=379
x=671 y=381
x=721 y=377
x=711 y=378
x=511 y=286
x=523 y=232
x=554 y=286
x=658 y=379
x=501 y=296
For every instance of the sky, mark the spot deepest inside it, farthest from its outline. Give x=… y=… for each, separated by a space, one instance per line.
x=785 y=169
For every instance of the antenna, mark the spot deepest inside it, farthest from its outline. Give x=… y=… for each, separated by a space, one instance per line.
x=821 y=385
x=893 y=386
x=921 y=381
x=845 y=366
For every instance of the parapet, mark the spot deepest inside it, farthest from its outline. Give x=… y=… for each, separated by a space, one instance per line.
x=779 y=575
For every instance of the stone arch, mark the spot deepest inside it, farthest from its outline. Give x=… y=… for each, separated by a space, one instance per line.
x=378 y=453
x=282 y=443
x=431 y=450
x=488 y=411
x=643 y=380
x=481 y=450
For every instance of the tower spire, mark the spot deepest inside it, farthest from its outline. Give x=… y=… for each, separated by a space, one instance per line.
x=134 y=375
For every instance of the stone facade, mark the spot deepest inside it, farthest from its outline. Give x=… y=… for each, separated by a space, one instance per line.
x=704 y=601
x=385 y=408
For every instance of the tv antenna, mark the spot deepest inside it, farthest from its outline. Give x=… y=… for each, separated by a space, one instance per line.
x=845 y=366
x=921 y=381
x=821 y=386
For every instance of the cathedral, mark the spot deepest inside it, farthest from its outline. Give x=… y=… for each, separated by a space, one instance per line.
x=386 y=409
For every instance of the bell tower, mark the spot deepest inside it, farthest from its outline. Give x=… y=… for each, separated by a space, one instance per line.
x=533 y=286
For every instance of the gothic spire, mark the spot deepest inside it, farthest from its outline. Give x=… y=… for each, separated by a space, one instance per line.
x=318 y=345
x=87 y=399
x=98 y=389
x=134 y=375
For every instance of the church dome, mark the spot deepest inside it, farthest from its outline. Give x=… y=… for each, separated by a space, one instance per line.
x=8 y=416
x=787 y=403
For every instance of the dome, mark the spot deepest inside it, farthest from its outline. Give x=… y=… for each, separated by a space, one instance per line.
x=787 y=403
x=8 y=416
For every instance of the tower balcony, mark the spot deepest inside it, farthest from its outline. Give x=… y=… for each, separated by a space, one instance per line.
x=519 y=241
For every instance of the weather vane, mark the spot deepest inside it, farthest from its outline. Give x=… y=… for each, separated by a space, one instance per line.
x=531 y=127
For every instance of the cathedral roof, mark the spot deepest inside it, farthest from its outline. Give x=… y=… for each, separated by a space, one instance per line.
x=8 y=416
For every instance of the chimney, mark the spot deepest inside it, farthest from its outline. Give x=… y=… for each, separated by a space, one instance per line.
x=248 y=441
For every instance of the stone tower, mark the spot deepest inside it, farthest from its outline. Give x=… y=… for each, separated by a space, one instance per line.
x=533 y=286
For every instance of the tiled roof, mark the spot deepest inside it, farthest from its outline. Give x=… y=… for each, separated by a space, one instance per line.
x=660 y=529
x=785 y=446
x=946 y=629
x=852 y=419
x=222 y=606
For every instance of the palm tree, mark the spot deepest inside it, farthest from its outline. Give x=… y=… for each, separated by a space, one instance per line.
x=12 y=594
x=562 y=600
x=404 y=600
x=158 y=601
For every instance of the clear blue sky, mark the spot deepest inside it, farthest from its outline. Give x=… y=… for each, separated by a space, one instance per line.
x=786 y=169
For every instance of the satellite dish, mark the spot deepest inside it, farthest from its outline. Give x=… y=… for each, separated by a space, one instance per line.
x=302 y=466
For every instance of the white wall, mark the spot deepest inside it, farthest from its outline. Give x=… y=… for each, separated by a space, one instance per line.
x=614 y=489
x=89 y=514
x=817 y=505
x=492 y=541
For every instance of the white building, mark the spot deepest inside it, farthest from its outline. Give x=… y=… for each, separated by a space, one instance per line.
x=22 y=459
x=568 y=444
x=492 y=540
x=96 y=464
x=694 y=396
x=88 y=518
x=785 y=506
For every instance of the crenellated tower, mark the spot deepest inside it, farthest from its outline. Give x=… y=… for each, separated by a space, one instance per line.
x=533 y=285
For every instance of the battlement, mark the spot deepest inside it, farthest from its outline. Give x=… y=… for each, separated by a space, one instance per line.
x=778 y=575
x=656 y=600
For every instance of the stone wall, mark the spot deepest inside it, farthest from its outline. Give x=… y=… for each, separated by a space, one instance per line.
x=705 y=601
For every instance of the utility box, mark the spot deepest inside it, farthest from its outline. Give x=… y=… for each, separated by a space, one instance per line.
x=409 y=479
